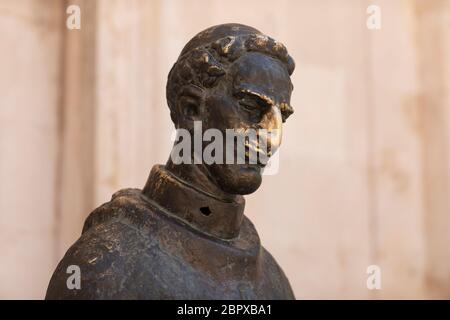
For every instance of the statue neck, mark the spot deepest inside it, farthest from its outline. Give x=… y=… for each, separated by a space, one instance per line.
x=189 y=195
x=199 y=177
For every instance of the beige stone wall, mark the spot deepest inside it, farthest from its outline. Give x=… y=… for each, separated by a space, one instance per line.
x=364 y=171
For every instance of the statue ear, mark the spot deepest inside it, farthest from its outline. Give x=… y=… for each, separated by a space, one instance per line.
x=190 y=103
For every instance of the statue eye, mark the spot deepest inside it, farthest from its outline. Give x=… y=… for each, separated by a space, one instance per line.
x=252 y=108
x=248 y=104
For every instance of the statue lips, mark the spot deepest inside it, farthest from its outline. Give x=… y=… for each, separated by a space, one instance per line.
x=256 y=155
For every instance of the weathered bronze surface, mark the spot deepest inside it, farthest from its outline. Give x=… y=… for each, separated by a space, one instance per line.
x=184 y=236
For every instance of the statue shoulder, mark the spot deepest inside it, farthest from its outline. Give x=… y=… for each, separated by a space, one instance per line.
x=127 y=205
x=277 y=279
x=113 y=238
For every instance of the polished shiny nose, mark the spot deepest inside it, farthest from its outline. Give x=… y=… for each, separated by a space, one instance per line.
x=272 y=122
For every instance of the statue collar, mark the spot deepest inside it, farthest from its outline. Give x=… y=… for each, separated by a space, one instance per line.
x=194 y=207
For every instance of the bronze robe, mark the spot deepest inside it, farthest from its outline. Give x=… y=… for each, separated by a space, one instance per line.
x=149 y=245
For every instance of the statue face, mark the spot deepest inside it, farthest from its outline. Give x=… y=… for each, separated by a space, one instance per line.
x=250 y=96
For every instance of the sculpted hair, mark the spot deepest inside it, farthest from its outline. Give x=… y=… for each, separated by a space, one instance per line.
x=204 y=65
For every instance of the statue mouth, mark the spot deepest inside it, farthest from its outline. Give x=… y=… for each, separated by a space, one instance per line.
x=255 y=153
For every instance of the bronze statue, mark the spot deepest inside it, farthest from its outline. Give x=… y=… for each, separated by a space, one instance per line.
x=184 y=236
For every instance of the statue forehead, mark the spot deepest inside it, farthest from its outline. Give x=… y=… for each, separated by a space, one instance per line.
x=262 y=75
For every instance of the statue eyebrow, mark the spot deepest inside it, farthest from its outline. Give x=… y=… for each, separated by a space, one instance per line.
x=285 y=108
x=267 y=101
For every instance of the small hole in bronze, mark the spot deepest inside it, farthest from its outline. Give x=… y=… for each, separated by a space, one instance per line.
x=205 y=210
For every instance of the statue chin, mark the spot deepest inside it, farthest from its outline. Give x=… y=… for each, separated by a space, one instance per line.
x=239 y=179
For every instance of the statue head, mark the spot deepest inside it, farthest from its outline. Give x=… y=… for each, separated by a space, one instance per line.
x=232 y=76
